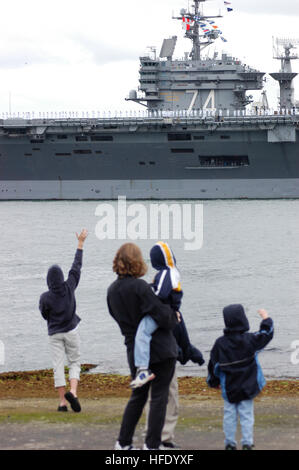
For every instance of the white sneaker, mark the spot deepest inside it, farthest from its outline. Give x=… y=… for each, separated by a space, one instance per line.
x=142 y=377
x=119 y=447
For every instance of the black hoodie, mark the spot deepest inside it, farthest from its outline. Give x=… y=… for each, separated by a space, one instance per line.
x=58 y=304
x=233 y=363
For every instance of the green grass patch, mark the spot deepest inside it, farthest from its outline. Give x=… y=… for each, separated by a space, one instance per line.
x=58 y=418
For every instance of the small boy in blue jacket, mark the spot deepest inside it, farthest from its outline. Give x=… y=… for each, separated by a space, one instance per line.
x=234 y=366
x=167 y=287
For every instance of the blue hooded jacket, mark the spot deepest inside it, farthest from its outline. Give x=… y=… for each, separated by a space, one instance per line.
x=233 y=362
x=167 y=286
x=167 y=283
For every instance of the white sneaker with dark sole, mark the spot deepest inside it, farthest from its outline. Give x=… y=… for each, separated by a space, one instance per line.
x=142 y=377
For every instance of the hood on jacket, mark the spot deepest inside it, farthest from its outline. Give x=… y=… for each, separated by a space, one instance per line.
x=162 y=256
x=55 y=280
x=235 y=319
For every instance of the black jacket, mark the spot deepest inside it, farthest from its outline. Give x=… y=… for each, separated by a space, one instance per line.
x=233 y=363
x=58 y=304
x=129 y=300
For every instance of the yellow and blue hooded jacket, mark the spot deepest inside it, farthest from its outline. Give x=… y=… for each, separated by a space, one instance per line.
x=167 y=286
x=167 y=282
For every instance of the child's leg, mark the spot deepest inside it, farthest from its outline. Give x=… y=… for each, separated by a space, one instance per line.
x=61 y=393
x=143 y=337
x=172 y=411
x=58 y=357
x=230 y=420
x=246 y=413
x=72 y=348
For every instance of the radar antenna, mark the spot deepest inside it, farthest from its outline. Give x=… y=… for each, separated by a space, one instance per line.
x=199 y=40
x=282 y=51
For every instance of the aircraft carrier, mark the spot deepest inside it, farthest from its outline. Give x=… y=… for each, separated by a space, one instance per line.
x=197 y=135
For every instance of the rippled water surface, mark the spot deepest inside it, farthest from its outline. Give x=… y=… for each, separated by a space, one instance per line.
x=250 y=255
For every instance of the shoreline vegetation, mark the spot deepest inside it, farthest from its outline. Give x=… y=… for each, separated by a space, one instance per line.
x=29 y=417
x=39 y=383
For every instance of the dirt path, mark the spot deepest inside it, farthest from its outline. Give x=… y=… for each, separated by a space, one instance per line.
x=32 y=424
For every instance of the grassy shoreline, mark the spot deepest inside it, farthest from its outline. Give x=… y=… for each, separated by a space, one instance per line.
x=39 y=383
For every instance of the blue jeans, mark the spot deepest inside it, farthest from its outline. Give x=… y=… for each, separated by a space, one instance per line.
x=143 y=338
x=243 y=409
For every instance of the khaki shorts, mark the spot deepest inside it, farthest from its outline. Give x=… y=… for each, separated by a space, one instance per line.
x=65 y=345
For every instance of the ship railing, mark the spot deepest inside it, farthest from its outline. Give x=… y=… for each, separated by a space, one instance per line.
x=121 y=116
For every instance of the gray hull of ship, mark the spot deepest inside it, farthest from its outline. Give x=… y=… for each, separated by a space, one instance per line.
x=143 y=162
x=155 y=189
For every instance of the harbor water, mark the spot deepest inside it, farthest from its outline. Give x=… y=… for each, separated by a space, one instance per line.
x=249 y=255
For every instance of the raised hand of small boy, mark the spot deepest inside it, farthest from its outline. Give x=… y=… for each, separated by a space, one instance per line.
x=263 y=313
x=81 y=238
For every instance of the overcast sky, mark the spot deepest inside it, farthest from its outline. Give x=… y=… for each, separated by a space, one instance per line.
x=69 y=55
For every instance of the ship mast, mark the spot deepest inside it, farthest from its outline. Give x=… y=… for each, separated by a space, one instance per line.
x=196 y=39
x=199 y=41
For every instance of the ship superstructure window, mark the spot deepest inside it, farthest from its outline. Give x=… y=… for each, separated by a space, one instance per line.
x=102 y=138
x=225 y=137
x=63 y=154
x=82 y=151
x=81 y=138
x=179 y=137
x=37 y=141
x=199 y=137
x=147 y=163
x=17 y=131
x=224 y=161
x=149 y=64
x=61 y=136
x=182 y=150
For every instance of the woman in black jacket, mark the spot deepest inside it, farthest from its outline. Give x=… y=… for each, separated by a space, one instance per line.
x=129 y=300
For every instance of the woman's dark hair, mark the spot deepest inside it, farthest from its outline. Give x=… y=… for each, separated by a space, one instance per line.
x=129 y=261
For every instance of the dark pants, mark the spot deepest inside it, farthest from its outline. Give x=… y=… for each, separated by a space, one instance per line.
x=159 y=396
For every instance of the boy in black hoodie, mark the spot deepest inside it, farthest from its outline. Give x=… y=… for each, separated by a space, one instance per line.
x=58 y=307
x=234 y=366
